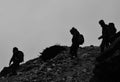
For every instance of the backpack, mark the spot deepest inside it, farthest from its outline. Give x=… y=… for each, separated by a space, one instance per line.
x=80 y=39
x=19 y=57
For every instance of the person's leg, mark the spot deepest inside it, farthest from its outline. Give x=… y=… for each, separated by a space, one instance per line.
x=4 y=72
x=102 y=46
x=14 y=68
x=73 y=50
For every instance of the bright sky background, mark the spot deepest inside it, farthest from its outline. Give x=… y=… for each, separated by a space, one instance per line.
x=32 y=25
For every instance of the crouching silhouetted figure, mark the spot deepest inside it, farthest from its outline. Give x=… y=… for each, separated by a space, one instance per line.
x=77 y=40
x=17 y=58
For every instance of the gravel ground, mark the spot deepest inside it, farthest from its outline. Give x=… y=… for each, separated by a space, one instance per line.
x=60 y=69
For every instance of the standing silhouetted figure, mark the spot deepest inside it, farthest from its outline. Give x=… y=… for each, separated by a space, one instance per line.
x=105 y=34
x=77 y=40
x=17 y=58
x=108 y=34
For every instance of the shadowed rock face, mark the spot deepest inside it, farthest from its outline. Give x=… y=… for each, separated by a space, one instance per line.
x=108 y=67
x=51 y=52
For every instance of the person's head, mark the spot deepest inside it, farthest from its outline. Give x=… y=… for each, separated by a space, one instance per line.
x=15 y=49
x=101 y=22
x=73 y=31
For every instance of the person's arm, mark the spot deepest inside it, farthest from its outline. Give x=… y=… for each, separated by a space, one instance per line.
x=100 y=37
x=11 y=60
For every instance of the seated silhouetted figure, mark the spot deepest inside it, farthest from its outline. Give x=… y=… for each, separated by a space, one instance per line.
x=51 y=52
x=14 y=63
x=105 y=34
x=77 y=40
x=16 y=59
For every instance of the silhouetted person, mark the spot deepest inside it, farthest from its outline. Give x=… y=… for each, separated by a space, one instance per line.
x=14 y=63
x=17 y=58
x=77 y=40
x=105 y=34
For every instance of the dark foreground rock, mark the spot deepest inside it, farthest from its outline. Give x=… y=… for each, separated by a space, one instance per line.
x=107 y=70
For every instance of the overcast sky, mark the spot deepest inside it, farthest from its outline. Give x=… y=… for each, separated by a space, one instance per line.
x=32 y=25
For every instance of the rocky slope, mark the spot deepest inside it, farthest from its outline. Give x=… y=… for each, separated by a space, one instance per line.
x=60 y=69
